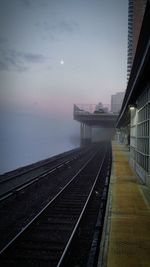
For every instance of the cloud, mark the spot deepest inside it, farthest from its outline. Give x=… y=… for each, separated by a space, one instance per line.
x=3 y=66
x=3 y=41
x=49 y=30
x=35 y=3
x=19 y=61
x=33 y=58
x=26 y=2
x=54 y=31
x=68 y=26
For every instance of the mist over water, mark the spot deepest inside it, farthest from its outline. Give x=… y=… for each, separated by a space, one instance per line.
x=27 y=138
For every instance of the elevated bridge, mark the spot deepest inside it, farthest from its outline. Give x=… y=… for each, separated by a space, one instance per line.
x=89 y=118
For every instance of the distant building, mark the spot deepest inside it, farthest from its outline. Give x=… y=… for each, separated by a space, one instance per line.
x=136 y=10
x=116 y=102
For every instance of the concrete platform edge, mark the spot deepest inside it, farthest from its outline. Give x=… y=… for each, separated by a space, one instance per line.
x=126 y=233
x=102 y=259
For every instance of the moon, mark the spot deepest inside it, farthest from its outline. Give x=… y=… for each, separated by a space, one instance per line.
x=62 y=62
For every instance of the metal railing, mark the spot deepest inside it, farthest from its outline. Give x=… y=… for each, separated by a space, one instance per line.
x=92 y=108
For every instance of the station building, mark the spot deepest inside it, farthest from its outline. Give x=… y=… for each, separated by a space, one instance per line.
x=133 y=124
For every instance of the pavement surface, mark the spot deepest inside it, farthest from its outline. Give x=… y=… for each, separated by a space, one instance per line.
x=126 y=236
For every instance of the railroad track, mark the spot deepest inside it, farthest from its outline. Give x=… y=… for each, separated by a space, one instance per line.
x=14 y=183
x=33 y=196
x=48 y=238
x=36 y=166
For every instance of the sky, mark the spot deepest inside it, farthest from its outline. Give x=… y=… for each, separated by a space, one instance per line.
x=54 y=53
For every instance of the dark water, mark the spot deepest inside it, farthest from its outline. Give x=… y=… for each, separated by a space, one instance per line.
x=27 y=138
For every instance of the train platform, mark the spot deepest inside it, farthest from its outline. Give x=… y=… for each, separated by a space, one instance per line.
x=126 y=235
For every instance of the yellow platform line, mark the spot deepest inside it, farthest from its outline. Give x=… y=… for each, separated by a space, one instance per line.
x=129 y=236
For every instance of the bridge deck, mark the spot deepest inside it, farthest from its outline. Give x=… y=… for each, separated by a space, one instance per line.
x=103 y=119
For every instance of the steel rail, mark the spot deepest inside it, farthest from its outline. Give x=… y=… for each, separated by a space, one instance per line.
x=81 y=215
x=36 y=178
x=47 y=205
x=4 y=179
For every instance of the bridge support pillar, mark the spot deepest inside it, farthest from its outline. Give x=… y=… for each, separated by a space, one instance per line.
x=85 y=134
